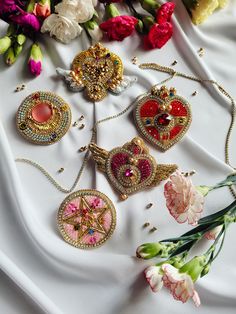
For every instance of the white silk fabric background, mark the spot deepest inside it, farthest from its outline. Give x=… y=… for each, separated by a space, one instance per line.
x=40 y=273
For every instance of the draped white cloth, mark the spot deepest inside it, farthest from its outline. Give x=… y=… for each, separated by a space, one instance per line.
x=40 y=273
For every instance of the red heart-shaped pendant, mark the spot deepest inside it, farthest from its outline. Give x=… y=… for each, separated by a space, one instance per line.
x=162 y=117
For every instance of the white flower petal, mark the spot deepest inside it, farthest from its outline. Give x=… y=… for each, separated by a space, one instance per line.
x=80 y=11
x=60 y=27
x=154 y=278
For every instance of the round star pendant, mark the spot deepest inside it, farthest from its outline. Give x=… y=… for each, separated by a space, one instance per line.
x=86 y=219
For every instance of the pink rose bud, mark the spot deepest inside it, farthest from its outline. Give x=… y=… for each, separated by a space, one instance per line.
x=35 y=60
x=42 y=8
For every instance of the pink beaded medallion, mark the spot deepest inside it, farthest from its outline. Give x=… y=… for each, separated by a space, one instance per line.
x=86 y=219
x=43 y=118
x=130 y=168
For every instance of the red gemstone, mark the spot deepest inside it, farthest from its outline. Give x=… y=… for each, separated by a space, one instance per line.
x=164 y=119
x=42 y=112
x=128 y=173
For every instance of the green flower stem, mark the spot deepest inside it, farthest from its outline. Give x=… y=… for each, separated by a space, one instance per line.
x=30 y=6
x=229 y=181
x=111 y=10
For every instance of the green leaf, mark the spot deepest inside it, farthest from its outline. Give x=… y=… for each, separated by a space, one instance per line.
x=213 y=217
x=185 y=247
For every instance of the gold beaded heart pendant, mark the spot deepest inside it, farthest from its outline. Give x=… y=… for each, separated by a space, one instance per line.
x=162 y=117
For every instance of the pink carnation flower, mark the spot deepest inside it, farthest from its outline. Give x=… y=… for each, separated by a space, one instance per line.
x=183 y=200
x=154 y=277
x=212 y=234
x=165 y=12
x=27 y=20
x=119 y=27
x=179 y=284
x=8 y=6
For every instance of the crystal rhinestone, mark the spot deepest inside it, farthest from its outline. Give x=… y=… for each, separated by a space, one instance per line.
x=42 y=112
x=164 y=119
x=128 y=173
x=91 y=231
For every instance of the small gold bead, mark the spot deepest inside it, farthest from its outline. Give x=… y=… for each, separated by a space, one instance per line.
x=194 y=93
x=61 y=170
x=124 y=197
x=138 y=141
x=131 y=160
x=163 y=108
x=82 y=149
x=81 y=117
x=147 y=224
x=134 y=60
x=174 y=62
x=149 y=205
x=75 y=123
x=153 y=229
x=81 y=126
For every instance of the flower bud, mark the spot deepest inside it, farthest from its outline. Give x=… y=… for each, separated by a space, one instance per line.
x=35 y=60
x=112 y=11
x=21 y=38
x=148 y=22
x=150 y=5
x=94 y=30
x=194 y=267
x=11 y=29
x=205 y=270
x=5 y=43
x=149 y=250
x=139 y=27
x=10 y=56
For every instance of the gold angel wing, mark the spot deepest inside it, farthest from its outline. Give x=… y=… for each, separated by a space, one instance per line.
x=163 y=172
x=99 y=155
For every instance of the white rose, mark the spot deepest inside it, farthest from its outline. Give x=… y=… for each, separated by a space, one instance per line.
x=79 y=10
x=61 y=27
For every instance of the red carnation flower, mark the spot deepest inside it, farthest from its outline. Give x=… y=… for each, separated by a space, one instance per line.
x=110 y=1
x=119 y=27
x=158 y=35
x=164 y=13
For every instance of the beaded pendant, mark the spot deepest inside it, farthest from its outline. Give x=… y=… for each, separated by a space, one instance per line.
x=162 y=117
x=86 y=219
x=43 y=118
x=130 y=168
x=97 y=70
